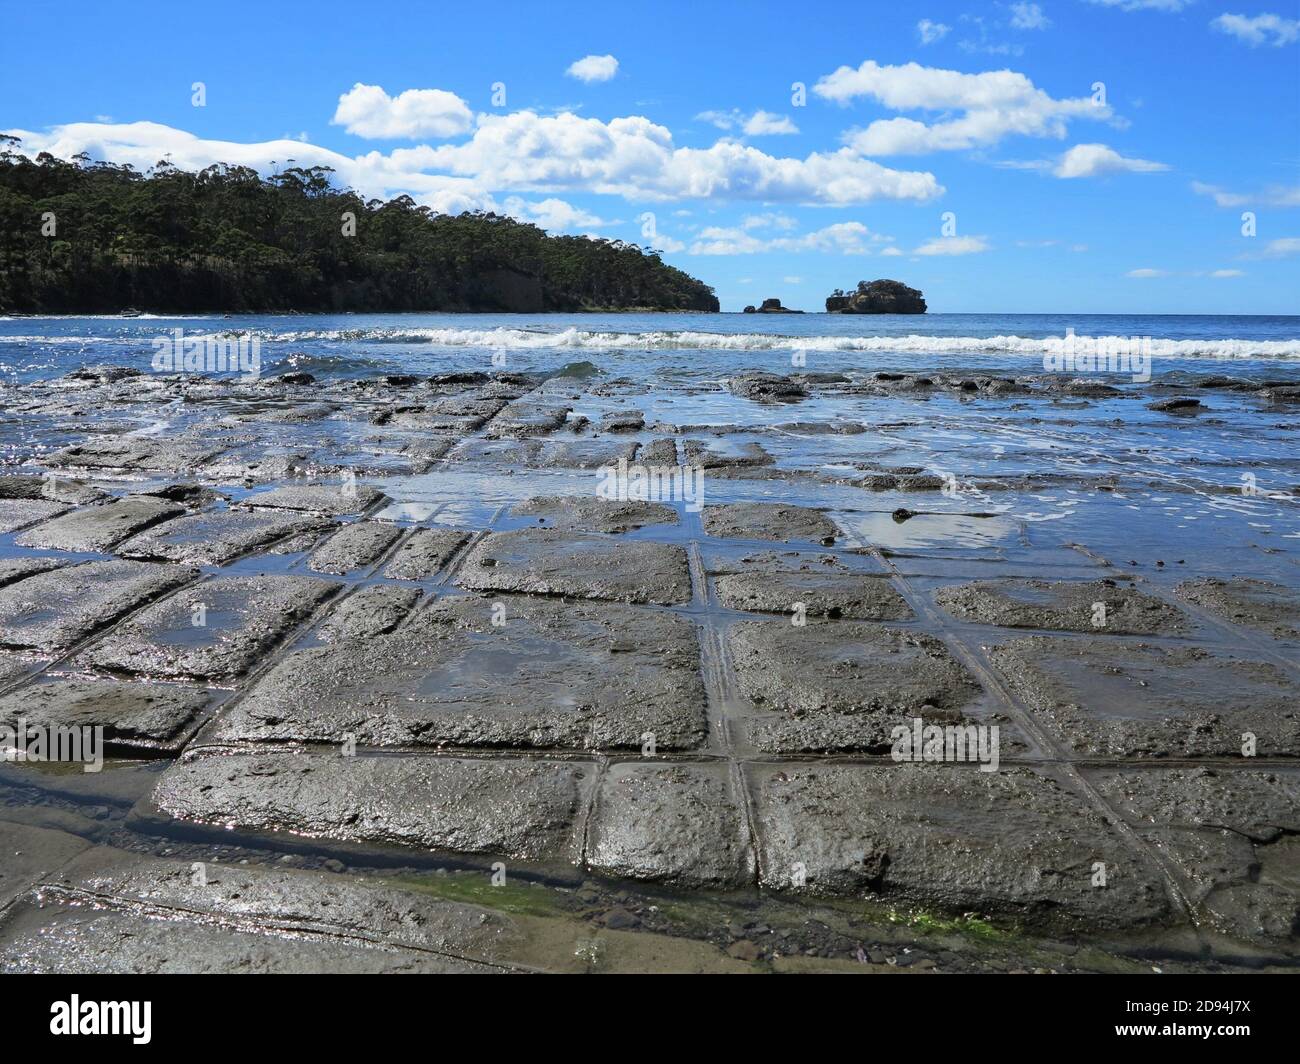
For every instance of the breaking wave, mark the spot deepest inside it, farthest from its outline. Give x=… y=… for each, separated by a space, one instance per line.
x=580 y=339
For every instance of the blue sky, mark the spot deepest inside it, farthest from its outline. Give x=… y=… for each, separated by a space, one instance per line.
x=962 y=148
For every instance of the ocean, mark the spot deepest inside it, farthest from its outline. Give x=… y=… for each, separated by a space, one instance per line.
x=682 y=347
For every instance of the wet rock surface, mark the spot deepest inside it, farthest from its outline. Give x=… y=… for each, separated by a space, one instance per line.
x=524 y=810
x=921 y=831
x=773 y=521
x=525 y=726
x=1135 y=700
x=1104 y=606
x=423 y=553
x=50 y=611
x=215 y=630
x=572 y=675
x=215 y=538
x=585 y=514
x=676 y=824
x=144 y=716
x=1258 y=604
x=99 y=527
x=545 y=562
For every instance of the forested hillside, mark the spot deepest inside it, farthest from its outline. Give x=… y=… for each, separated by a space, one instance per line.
x=225 y=239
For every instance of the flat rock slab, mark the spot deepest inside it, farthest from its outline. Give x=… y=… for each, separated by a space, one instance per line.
x=581 y=513
x=140 y=453
x=424 y=552
x=318 y=498
x=45 y=939
x=51 y=611
x=1101 y=606
x=216 y=537
x=368 y=612
x=97 y=528
x=16 y=513
x=243 y=618
x=677 y=824
x=291 y=900
x=564 y=675
x=836 y=681
x=53 y=488
x=12 y=666
x=1012 y=841
x=29 y=853
x=1234 y=833
x=525 y=810
x=544 y=562
x=862 y=598
x=1134 y=700
x=353 y=547
x=143 y=715
x=1258 y=604
x=766 y=520
x=14 y=569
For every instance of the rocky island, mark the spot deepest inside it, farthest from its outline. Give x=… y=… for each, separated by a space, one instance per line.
x=771 y=306
x=877 y=297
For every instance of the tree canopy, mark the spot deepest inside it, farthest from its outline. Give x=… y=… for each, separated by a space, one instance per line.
x=92 y=237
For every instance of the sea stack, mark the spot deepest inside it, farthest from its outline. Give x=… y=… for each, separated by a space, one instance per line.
x=877 y=297
x=771 y=306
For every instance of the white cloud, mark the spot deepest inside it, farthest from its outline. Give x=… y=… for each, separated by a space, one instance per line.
x=994 y=104
x=593 y=68
x=554 y=215
x=1261 y=29
x=792 y=280
x=929 y=32
x=891 y=251
x=1274 y=196
x=953 y=245
x=1227 y=273
x=760 y=123
x=1281 y=248
x=1144 y=5
x=1028 y=17
x=1089 y=160
x=525 y=152
x=635 y=158
x=368 y=111
x=845 y=238
x=1146 y=272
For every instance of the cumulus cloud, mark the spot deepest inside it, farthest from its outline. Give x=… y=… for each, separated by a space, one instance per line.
x=1028 y=17
x=1227 y=273
x=1090 y=160
x=758 y=124
x=1146 y=272
x=635 y=158
x=554 y=215
x=994 y=104
x=368 y=111
x=953 y=245
x=929 y=32
x=525 y=152
x=845 y=238
x=1261 y=29
x=593 y=68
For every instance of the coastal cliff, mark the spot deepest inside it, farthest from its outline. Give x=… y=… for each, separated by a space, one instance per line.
x=86 y=237
x=877 y=297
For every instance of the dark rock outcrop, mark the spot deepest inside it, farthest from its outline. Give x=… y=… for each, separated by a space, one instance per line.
x=877 y=297
x=771 y=306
